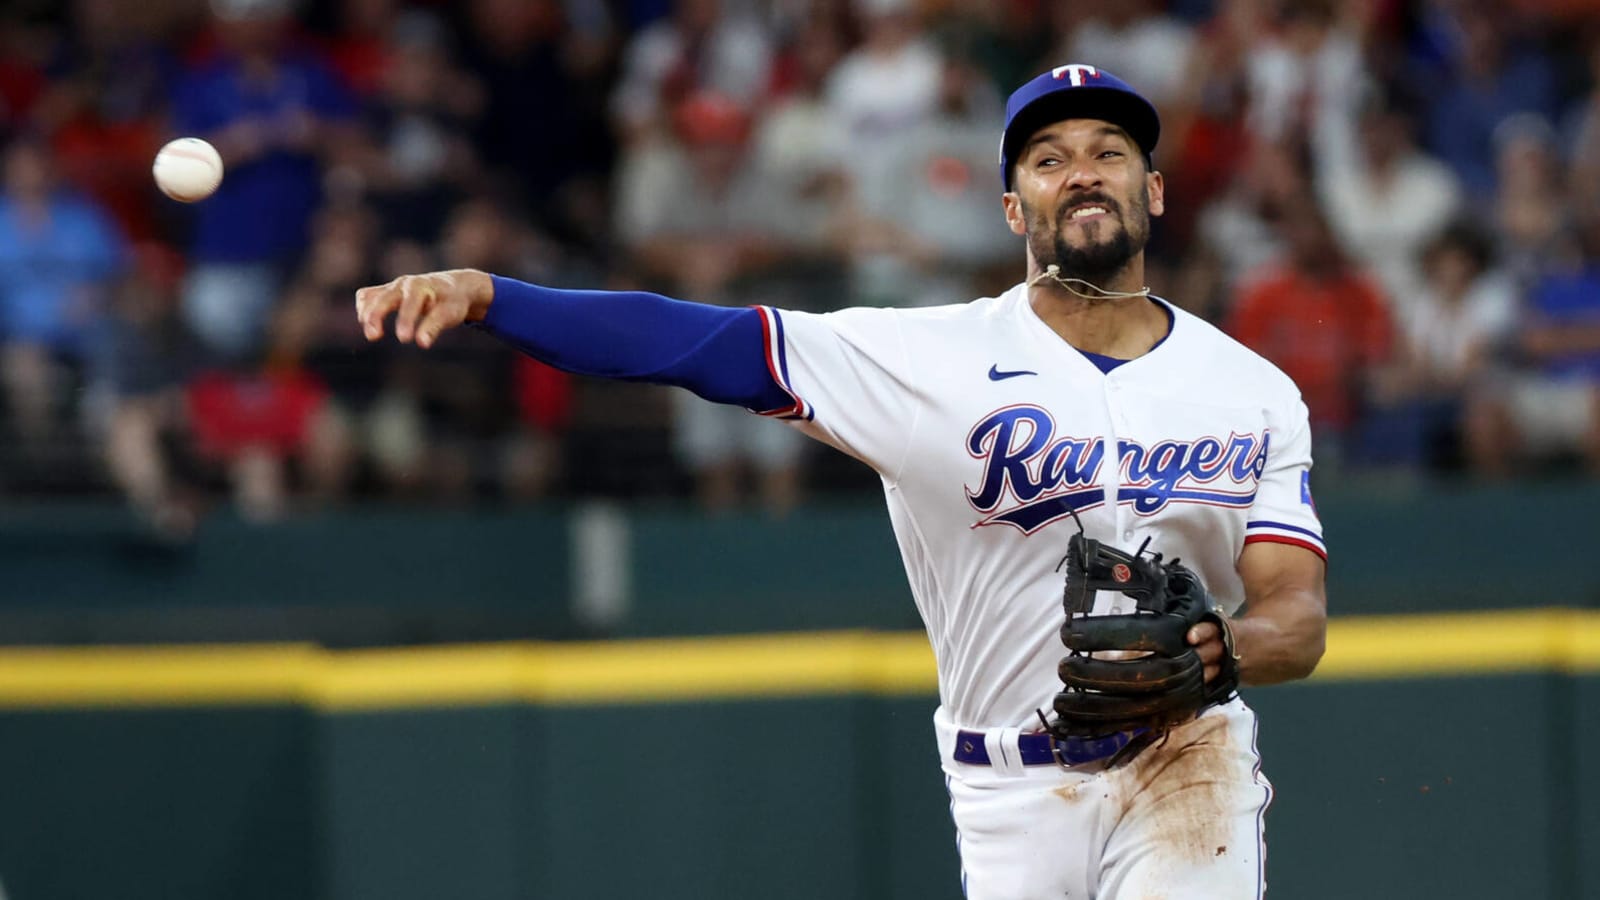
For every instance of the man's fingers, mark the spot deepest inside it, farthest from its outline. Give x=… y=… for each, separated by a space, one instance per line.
x=442 y=316
x=1212 y=672
x=373 y=305
x=424 y=307
x=416 y=296
x=1206 y=638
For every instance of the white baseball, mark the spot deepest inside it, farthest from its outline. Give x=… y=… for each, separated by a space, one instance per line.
x=188 y=169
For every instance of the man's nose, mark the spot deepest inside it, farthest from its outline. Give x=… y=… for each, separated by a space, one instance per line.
x=1084 y=175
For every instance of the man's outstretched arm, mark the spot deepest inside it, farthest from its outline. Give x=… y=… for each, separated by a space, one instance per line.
x=719 y=353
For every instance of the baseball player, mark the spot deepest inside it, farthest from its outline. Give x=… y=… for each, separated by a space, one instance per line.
x=1073 y=410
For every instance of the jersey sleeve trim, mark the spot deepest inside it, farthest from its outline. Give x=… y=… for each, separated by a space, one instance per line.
x=1292 y=542
x=778 y=365
x=1282 y=532
x=1254 y=524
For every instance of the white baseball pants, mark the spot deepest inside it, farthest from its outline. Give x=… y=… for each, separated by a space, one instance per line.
x=1181 y=821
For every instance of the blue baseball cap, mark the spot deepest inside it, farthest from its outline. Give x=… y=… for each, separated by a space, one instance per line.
x=1076 y=92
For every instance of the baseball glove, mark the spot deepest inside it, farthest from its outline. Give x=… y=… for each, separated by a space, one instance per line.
x=1157 y=680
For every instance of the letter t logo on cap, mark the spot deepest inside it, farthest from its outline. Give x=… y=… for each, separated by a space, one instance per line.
x=1075 y=73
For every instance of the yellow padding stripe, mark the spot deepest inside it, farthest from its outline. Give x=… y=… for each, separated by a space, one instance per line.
x=679 y=669
x=694 y=669
x=154 y=676
x=1462 y=644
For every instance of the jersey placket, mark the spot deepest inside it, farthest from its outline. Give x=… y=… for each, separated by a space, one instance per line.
x=1116 y=429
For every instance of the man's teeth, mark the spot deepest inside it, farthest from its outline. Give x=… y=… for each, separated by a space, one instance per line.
x=1088 y=211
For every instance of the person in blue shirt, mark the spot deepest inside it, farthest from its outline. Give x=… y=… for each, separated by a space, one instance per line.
x=273 y=110
x=1550 y=407
x=59 y=257
x=1486 y=80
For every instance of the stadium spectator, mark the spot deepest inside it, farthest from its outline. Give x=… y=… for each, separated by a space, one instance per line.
x=1139 y=41
x=361 y=135
x=359 y=48
x=419 y=162
x=1321 y=321
x=699 y=48
x=1549 y=408
x=798 y=147
x=253 y=420
x=1452 y=331
x=881 y=89
x=517 y=434
x=24 y=55
x=1005 y=39
x=479 y=444
x=104 y=108
x=1584 y=132
x=1308 y=66
x=1204 y=127
x=702 y=220
x=137 y=380
x=1532 y=204
x=273 y=109
x=1385 y=198
x=941 y=238
x=1485 y=79
x=370 y=429
x=1239 y=226
x=60 y=255
x=542 y=127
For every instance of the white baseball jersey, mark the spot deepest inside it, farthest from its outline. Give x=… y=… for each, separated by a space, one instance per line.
x=988 y=430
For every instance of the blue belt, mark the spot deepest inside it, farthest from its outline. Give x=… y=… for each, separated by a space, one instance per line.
x=1040 y=749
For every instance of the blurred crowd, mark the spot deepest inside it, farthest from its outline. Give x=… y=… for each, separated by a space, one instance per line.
x=1396 y=202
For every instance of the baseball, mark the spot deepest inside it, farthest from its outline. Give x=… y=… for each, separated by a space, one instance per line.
x=188 y=169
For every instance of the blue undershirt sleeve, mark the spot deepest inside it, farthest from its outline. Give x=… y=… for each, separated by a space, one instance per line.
x=717 y=352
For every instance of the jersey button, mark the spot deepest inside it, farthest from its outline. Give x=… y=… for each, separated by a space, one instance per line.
x=1128 y=535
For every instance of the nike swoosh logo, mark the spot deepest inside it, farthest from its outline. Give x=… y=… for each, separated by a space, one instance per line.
x=996 y=375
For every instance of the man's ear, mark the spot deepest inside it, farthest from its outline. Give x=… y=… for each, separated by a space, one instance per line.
x=1158 y=193
x=1011 y=201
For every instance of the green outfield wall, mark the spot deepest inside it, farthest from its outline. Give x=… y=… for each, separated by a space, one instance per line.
x=87 y=575
x=789 y=766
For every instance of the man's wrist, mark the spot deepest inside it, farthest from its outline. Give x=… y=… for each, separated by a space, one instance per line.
x=479 y=288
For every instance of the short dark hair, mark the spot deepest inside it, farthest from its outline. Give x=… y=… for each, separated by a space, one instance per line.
x=1467 y=238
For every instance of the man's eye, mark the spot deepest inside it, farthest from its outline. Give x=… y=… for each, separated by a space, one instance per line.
x=1048 y=161
x=1107 y=153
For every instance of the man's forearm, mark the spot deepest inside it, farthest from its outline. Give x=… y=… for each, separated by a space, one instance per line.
x=1281 y=639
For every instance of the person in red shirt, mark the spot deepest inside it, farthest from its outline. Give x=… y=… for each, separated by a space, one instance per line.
x=1319 y=319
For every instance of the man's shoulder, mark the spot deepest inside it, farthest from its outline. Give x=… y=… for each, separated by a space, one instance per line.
x=1230 y=361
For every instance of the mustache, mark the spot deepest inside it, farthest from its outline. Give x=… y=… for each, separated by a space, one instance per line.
x=1097 y=199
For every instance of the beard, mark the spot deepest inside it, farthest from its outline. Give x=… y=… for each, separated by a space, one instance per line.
x=1099 y=261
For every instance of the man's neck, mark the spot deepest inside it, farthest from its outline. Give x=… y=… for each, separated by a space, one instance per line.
x=1118 y=327
x=1121 y=327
